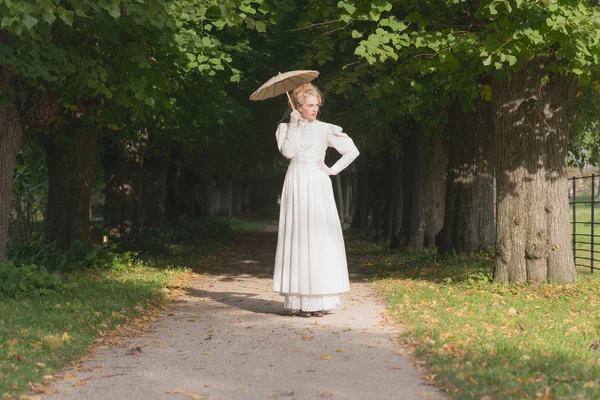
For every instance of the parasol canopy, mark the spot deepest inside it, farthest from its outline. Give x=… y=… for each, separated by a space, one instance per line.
x=283 y=83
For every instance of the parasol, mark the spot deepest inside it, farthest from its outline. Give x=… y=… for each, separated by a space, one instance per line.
x=282 y=83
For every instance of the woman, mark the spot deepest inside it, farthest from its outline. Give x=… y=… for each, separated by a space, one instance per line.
x=310 y=262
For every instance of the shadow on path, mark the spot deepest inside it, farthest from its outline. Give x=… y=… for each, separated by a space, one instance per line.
x=252 y=255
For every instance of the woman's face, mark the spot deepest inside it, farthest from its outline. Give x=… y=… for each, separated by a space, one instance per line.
x=310 y=108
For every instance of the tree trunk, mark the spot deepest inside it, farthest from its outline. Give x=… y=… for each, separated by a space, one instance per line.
x=225 y=187
x=156 y=167
x=394 y=205
x=377 y=198
x=346 y=191
x=237 y=197
x=70 y=157
x=352 y=183
x=187 y=191
x=533 y=126
x=173 y=207
x=423 y=209
x=123 y=171
x=12 y=133
x=26 y=108
x=246 y=190
x=339 y=196
x=361 y=212
x=469 y=215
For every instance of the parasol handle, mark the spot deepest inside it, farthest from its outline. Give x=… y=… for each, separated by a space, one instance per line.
x=288 y=95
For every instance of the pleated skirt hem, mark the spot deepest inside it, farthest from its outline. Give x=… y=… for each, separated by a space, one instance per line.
x=303 y=302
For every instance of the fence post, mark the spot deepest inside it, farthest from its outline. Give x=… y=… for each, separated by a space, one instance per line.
x=592 y=237
x=574 y=222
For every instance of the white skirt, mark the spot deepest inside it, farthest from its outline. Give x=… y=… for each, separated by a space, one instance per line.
x=311 y=256
x=311 y=302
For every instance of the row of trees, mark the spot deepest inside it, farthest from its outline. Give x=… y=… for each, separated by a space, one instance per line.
x=446 y=95
x=441 y=97
x=150 y=91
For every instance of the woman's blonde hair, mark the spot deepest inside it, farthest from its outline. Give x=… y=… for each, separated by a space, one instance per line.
x=303 y=92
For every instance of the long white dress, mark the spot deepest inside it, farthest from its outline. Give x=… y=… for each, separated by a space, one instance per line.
x=310 y=262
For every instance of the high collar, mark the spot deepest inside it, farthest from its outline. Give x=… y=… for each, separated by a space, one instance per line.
x=305 y=122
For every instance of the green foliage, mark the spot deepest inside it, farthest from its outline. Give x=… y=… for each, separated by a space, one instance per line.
x=77 y=257
x=28 y=280
x=167 y=241
x=41 y=335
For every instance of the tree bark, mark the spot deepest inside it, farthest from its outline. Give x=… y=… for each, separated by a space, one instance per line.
x=123 y=171
x=533 y=127
x=237 y=197
x=469 y=215
x=25 y=108
x=395 y=197
x=339 y=196
x=12 y=133
x=70 y=157
x=156 y=167
x=424 y=171
x=361 y=211
x=246 y=190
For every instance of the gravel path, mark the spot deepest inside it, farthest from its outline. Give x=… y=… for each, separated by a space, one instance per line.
x=229 y=338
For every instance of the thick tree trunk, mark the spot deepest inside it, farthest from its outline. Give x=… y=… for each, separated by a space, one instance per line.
x=12 y=133
x=156 y=167
x=26 y=108
x=123 y=171
x=70 y=157
x=424 y=187
x=533 y=126
x=469 y=215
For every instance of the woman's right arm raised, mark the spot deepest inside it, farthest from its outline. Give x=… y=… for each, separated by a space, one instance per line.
x=286 y=136
x=285 y=140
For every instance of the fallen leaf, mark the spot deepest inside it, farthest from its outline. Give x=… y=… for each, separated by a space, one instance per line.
x=36 y=388
x=53 y=342
x=326 y=395
x=340 y=350
x=325 y=357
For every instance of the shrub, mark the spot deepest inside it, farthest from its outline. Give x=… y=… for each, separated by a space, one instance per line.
x=28 y=280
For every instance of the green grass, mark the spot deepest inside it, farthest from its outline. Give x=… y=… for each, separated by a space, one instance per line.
x=248 y=224
x=119 y=287
x=38 y=336
x=484 y=340
x=583 y=217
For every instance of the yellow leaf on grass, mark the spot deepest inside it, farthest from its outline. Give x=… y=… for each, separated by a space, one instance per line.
x=325 y=357
x=53 y=342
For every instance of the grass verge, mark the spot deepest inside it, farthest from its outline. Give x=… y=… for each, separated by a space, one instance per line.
x=55 y=304
x=39 y=336
x=488 y=341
